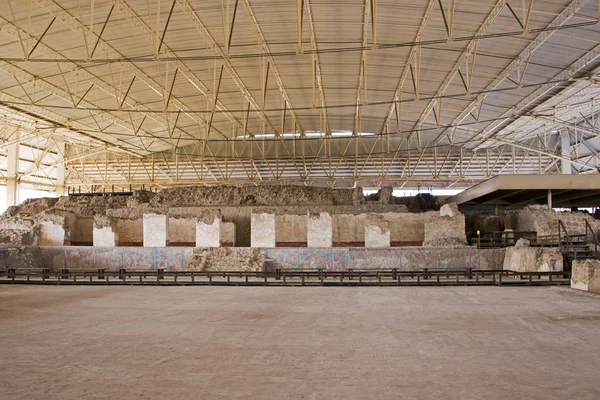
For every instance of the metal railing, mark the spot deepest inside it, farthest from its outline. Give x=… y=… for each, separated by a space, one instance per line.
x=284 y=277
x=498 y=239
x=567 y=237
x=589 y=231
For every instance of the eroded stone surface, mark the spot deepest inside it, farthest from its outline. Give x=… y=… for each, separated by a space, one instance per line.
x=156 y=228
x=262 y=230
x=319 y=229
x=585 y=275
x=377 y=231
x=449 y=210
x=533 y=259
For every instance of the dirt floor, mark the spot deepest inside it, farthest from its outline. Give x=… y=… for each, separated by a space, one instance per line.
x=298 y=343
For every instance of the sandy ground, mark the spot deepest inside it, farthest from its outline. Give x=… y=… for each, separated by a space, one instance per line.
x=298 y=343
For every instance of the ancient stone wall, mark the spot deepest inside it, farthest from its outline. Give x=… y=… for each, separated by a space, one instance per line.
x=545 y=222
x=18 y=231
x=130 y=231
x=447 y=229
x=522 y=258
x=263 y=230
x=227 y=259
x=228 y=234
x=319 y=229
x=182 y=231
x=252 y=196
x=248 y=259
x=236 y=204
x=291 y=230
x=377 y=231
x=83 y=232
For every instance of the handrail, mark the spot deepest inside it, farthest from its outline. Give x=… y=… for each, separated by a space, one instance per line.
x=569 y=242
x=596 y=243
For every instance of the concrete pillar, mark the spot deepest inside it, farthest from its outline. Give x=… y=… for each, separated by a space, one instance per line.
x=319 y=229
x=262 y=230
x=12 y=170
x=377 y=231
x=208 y=234
x=156 y=228
x=60 y=170
x=105 y=232
x=549 y=199
x=565 y=146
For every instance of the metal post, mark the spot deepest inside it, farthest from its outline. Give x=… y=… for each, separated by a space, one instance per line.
x=12 y=171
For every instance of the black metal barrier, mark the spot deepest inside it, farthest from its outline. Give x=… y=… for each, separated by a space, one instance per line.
x=285 y=277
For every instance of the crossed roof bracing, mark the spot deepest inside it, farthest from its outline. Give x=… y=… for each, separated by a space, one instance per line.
x=342 y=93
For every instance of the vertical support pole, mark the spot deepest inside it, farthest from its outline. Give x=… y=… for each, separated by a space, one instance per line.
x=12 y=170
x=565 y=147
x=300 y=24
x=549 y=199
x=61 y=169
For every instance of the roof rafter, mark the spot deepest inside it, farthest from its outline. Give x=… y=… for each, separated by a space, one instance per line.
x=559 y=20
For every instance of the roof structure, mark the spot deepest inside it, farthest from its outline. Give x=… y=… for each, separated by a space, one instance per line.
x=562 y=191
x=124 y=93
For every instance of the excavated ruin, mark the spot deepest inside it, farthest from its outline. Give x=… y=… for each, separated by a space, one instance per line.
x=229 y=228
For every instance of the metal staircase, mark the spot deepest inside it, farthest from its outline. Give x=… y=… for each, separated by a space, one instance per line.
x=577 y=246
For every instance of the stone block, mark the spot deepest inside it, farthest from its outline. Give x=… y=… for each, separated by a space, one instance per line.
x=156 y=228
x=445 y=231
x=105 y=231
x=585 y=275
x=51 y=234
x=262 y=230
x=208 y=233
x=105 y=237
x=319 y=229
x=449 y=210
x=533 y=259
x=386 y=195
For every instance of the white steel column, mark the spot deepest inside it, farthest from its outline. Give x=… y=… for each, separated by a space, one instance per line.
x=12 y=170
x=565 y=146
x=61 y=169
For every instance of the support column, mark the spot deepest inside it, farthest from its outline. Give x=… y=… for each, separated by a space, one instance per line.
x=262 y=230
x=549 y=199
x=377 y=231
x=565 y=146
x=319 y=229
x=61 y=170
x=12 y=170
x=208 y=233
x=156 y=228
